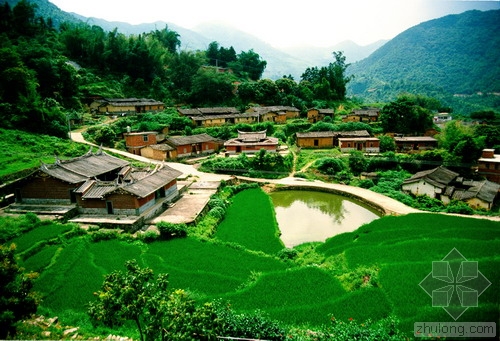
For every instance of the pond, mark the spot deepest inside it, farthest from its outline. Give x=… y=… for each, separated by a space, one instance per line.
x=310 y=216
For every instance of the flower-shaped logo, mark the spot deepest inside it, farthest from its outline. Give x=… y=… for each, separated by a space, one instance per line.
x=462 y=290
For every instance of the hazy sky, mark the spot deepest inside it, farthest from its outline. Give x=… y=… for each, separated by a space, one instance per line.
x=284 y=22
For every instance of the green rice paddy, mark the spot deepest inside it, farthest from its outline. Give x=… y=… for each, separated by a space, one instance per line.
x=240 y=265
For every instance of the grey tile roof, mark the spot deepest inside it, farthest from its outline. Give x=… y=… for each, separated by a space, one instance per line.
x=140 y=183
x=439 y=177
x=184 y=140
x=86 y=166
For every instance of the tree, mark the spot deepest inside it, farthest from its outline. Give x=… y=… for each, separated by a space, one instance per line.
x=17 y=300
x=387 y=144
x=137 y=295
x=405 y=116
x=248 y=65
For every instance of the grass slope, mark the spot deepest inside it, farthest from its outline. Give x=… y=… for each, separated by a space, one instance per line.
x=250 y=221
x=403 y=248
x=400 y=251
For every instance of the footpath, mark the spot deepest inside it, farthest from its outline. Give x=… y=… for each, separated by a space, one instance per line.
x=387 y=205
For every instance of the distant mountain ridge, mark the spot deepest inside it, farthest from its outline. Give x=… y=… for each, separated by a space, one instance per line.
x=280 y=62
x=455 y=54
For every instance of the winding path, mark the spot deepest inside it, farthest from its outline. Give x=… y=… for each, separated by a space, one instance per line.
x=380 y=201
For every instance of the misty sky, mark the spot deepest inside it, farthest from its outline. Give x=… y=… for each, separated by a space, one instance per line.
x=284 y=23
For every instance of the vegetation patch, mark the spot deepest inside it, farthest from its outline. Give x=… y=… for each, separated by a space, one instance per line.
x=250 y=221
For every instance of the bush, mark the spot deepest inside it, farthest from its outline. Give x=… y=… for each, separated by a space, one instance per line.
x=170 y=231
x=329 y=165
x=459 y=207
x=287 y=253
x=256 y=325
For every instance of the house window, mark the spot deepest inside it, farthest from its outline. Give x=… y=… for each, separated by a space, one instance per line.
x=185 y=150
x=348 y=145
x=145 y=138
x=316 y=143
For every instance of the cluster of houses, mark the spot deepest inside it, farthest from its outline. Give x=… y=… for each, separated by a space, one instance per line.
x=362 y=141
x=98 y=183
x=155 y=146
x=446 y=185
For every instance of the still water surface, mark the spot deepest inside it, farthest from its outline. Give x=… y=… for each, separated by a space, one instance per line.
x=309 y=216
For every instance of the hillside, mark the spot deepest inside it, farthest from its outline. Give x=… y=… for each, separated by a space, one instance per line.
x=455 y=54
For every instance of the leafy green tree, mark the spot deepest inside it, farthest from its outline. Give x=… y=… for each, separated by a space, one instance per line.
x=138 y=296
x=17 y=300
x=357 y=161
x=387 y=144
x=212 y=88
x=405 y=116
x=249 y=65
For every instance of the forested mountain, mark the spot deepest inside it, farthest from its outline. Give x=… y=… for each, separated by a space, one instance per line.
x=455 y=54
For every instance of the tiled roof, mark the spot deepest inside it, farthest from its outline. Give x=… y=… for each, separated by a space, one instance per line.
x=415 y=139
x=81 y=168
x=184 y=140
x=311 y=134
x=439 y=177
x=140 y=183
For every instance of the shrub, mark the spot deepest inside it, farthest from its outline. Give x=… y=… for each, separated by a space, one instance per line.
x=217 y=212
x=459 y=207
x=255 y=325
x=169 y=230
x=329 y=165
x=287 y=253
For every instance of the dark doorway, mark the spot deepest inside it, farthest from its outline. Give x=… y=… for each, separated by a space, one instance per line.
x=109 y=207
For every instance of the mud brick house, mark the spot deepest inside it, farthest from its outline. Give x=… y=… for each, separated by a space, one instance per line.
x=175 y=147
x=477 y=194
x=327 y=139
x=315 y=115
x=489 y=165
x=415 y=143
x=446 y=185
x=217 y=116
x=251 y=142
x=316 y=139
x=364 y=144
x=277 y=114
x=132 y=193
x=56 y=183
x=218 y=120
x=125 y=105
x=362 y=115
x=135 y=141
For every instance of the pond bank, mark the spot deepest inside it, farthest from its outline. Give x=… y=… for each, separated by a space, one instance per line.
x=382 y=203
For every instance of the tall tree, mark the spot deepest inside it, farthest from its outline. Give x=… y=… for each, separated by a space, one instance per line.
x=17 y=300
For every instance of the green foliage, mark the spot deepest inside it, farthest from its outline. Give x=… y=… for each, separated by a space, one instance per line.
x=170 y=230
x=330 y=165
x=17 y=301
x=405 y=115
x=287 y=254
x=357 y=161
x=242 y=226
x=255 y=325
x=138 y=296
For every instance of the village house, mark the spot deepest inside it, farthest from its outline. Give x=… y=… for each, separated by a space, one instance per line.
x=277 y=114
x=415 y=143
x=315 y=115
x=362 y=115
x=251 y=142
x=477 y=194
x=56 y=183
x=316 y=139
x=135 y=141
x=488 y=165
x=442 y=118
x=364 y=144
x=432 y=182
x=132 y=193
x=327 y=139
x=125 y=105
x=217 y=116
x=446 y=185
x=176 y=147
